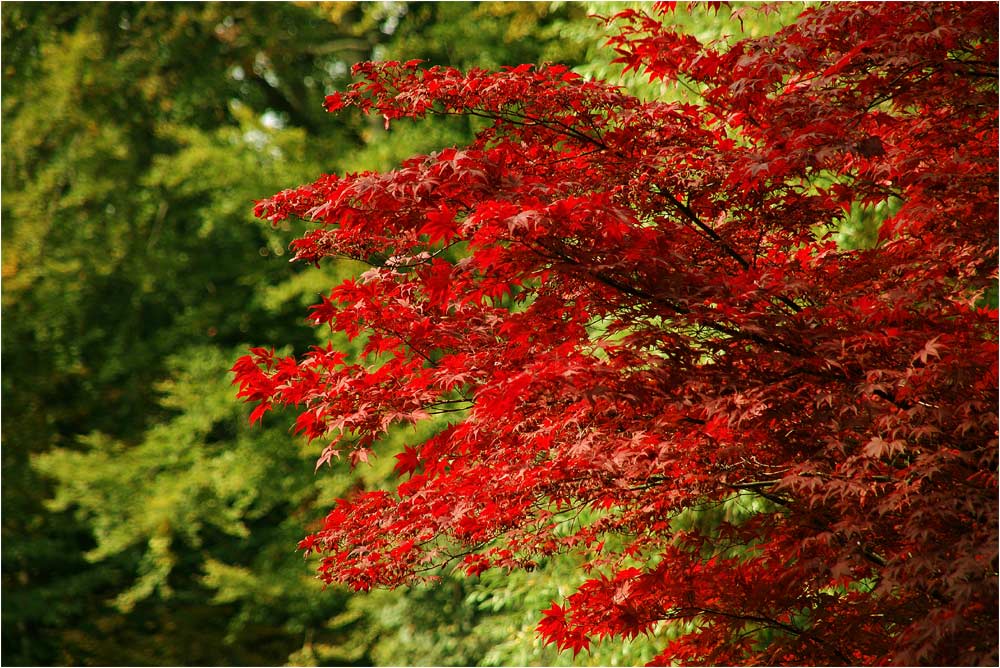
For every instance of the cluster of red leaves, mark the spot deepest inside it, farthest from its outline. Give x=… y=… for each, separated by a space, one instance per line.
x=633 y=311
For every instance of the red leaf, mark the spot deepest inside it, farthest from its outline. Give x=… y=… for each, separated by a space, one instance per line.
x=334 y=102
x=258 y=413
x=407 y=461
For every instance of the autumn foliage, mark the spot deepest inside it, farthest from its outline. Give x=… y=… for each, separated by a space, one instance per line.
x=652 y=351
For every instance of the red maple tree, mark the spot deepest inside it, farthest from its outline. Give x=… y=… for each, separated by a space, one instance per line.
x=634 y=313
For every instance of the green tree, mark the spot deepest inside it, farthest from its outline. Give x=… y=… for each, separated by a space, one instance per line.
x=126 y=240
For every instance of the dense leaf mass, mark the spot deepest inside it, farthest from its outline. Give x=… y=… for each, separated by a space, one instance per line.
x=655 y=354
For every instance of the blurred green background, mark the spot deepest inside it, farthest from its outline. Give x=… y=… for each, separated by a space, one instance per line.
x=144 y=522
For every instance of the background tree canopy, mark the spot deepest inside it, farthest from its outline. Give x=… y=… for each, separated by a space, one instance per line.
x=144 y=521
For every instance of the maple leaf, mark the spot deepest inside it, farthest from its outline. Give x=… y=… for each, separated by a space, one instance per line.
x=930 y=349
x=333 y=102
x=407 y=461
x=555 y=629
x=359 y=455
x=440 y=225
x=258 y=413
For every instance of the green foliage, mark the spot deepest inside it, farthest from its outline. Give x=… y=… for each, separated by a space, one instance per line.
x=127 y=239
x=218 y=509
